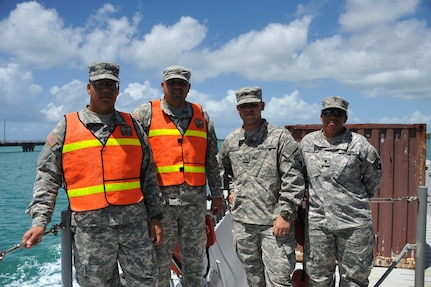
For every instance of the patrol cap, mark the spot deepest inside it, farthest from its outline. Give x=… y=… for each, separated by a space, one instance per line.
x=335 y=103
x=176 y=72
x=103 y=70
x=248 y=95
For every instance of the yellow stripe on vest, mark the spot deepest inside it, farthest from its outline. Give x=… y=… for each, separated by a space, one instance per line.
x=81 y=145
x=164 y=132
x=96 y=143
x=195 y=133
x=197 y=169
x=175 y=132
x=176 y=168
x=110 y=187
x=123 y=141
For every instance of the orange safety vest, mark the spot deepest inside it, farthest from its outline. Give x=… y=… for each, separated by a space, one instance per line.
x=98 y=175
x=178 y=158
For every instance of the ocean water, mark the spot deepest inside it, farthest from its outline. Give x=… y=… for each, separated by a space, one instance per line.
x=38 y=266
x=41 y=265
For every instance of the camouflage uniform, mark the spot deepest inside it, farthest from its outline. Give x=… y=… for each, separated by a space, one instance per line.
x=342 y=174
x=265 y=173
x=184 y=206
x=106 y=235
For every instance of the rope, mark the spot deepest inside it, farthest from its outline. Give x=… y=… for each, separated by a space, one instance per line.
x=3 y=253
x=54 y=230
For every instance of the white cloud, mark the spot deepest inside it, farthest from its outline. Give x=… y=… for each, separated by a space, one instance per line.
x=386 y=53
x=70 y=97
x=53 y=112
x=18 y=93
x=415 y=118
x=291 y=108
x=106 y=37
x=378 y=50
x=37 y=37
x=272 y=50
x=164 y=44
x=135 y=94
x=361 y=15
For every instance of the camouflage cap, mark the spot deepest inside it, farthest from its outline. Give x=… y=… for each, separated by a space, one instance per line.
x=248 y=95
x=335 y=103
x=176 y=72
x=103 y=70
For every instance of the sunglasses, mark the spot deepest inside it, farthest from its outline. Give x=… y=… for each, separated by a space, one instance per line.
x=177 y=83
x=249 y=105
x=333 y=113
x=105 y=85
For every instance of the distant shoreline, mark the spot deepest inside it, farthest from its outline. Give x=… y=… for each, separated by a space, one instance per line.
x=21 y=142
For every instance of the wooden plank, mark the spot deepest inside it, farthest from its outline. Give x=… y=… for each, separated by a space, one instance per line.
x=401 y=182
x=384 y=216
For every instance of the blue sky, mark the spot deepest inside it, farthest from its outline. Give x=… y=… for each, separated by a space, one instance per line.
x=375 y=54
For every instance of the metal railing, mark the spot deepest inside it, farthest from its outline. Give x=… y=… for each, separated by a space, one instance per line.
x=420 y=245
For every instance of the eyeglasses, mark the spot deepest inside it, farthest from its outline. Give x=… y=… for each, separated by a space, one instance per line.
x=249 y=105
x=177 y=83
x=111 y=85
x=333 y=113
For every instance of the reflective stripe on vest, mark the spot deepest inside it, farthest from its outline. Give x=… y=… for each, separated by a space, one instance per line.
x=178 y=158
x=97 y=175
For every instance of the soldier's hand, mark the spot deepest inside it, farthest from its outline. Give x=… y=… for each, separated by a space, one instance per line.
x=156 y=231
x=32 y=237
x=231 y=197
x=281 y=227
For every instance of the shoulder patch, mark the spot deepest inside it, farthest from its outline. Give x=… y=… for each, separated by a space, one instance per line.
x=51 y=139
x=378 y=164
x=374 y=159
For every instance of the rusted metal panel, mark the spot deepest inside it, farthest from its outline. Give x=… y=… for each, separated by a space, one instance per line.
x=402 y=148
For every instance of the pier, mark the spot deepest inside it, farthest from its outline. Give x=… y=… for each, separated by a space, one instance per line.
x=26 y=145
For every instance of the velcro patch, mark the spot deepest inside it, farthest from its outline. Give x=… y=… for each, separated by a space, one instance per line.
x=51 y=139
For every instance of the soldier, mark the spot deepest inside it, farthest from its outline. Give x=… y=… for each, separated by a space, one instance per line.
x=263 y=173
x=103 y=160
x=343 y=172
x=184 y=145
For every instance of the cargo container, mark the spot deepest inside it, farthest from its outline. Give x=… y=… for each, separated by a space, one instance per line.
x=402 y=148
